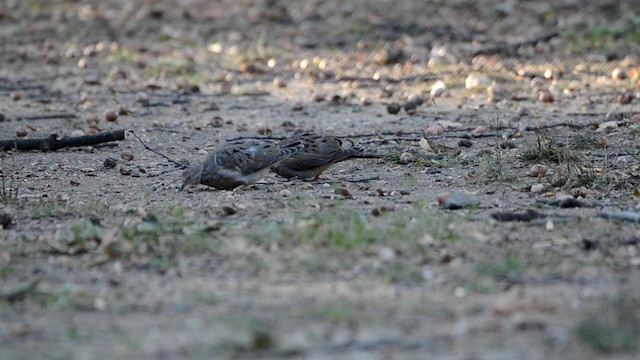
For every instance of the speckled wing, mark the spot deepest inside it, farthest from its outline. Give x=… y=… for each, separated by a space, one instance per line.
x=320 y=152
x=249 y=156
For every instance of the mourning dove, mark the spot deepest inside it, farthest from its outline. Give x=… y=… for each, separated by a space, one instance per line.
x=318 y=154
x=237 y=163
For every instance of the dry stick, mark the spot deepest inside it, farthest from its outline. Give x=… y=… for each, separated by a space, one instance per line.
x=53 y=142
x=179 y=164
x=511 y=47
x=47 y=116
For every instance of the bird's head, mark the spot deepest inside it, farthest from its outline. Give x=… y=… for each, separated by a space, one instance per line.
x=191 y=176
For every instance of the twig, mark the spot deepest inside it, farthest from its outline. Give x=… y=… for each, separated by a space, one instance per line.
x=621 y=215
x=48 y=116
x=53 y=142
x=512 y=47
x=177 y=163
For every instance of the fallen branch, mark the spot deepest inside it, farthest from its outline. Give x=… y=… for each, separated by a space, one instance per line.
x=48 y=116
x=512 y=47
x=54 y=142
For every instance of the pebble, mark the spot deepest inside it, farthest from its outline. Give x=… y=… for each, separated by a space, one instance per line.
x=125 y=171
x=297 y=107
x=457 y=200
x=545 y=96
x=465 y=143
x=410 y=107
x=407 y=158
x=5 y=220
x=618 y=74
x=21 y=132
x=16 y=95
x=342 y=191
x=92 y=119
x=285 y=193
x=438 y=89
x=126 y=155
x=536 y=188
x=62 y=197
x=476 y=81
x=393 y=108
x=538 y=170
x=110 y=163
x=88 y=171
x=110 y=116
x=279 y=82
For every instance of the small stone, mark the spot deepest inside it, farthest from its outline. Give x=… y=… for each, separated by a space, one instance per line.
x=545 y=96
x=342 y=191
x=523 y=111
x=474 y=81
x=508 y=145
x=407 y=158
x=122 y=110
x=393 y=108
x=110 y=163
x=552 y=74
x=465 y=143
x=88 y=171
x=21 y=132
x=62 y=197
x=319 y=97
x=279 y=82
x=203 y=152
x=2 y=117
x=5 y=220
x=457 y=200
x=410 y=107
x=90 y=131
x=264 y=129
x=92 y=119
x=388 y=55
x=16 y=95
x=135 y=173
x=142 y=98
x=538 y=170
x=416 y=99
x=365 y=101
x=216 y=122
x=285 y=193
x=125 y=171
x=92 y=79
x=226 y=210
x=76 y=133
x=437 y=89
x=536 y=188
x=618 y=74
x=110 y=116
x=126 y=155
x=297 y=106
x=623 y=99
x=74 y=183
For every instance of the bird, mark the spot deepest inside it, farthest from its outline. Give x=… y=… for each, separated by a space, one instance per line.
x=239 y=162
x=318 y=154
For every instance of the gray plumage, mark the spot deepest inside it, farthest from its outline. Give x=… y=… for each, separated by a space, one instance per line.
x=237 y=163
x=318 y=154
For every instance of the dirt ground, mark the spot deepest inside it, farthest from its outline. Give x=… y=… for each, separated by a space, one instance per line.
x=528 y=112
